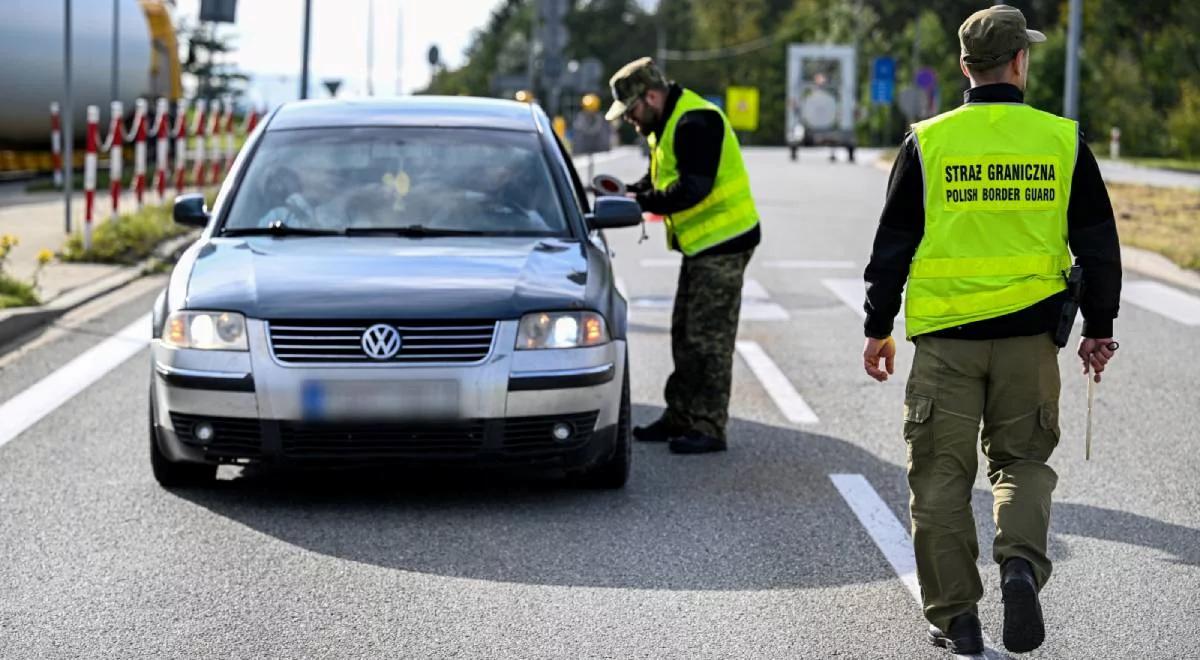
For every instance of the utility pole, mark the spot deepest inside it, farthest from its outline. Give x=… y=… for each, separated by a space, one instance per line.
x=370 y=46
x=304 y=50
x=399 y=49
x=1071 y=85
x=67 y=114
x=116 y=47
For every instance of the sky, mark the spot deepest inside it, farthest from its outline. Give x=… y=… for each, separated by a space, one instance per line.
x=268 y=36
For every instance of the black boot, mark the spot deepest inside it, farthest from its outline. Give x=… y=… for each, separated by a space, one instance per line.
x=659 y=431
x=695 y=442
x=963 y=637
x=1024 y=629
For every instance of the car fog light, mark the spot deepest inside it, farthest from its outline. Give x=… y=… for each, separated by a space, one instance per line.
x=562 y=431
x=204 y=432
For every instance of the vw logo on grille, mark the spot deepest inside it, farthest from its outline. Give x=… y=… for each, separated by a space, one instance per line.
x=381 y=342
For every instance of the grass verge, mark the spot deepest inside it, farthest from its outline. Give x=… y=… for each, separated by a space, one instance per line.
x=16 y=293
x=125 y=240
x=1164 y=220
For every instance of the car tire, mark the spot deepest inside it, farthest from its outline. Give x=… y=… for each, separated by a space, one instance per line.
x=175 y=475
x=613 y=472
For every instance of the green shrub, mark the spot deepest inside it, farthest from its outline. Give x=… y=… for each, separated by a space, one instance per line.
x=127 y=239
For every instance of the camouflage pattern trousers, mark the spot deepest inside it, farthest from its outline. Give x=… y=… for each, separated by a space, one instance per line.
x=704 y=327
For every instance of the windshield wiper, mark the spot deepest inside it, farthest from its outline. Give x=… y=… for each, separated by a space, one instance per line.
x=413 y=231
x=278 y=228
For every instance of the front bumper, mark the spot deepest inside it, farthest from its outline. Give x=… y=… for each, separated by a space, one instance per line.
x=504 y=412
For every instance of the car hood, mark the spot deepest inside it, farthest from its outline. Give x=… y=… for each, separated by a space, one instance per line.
x=387 y=277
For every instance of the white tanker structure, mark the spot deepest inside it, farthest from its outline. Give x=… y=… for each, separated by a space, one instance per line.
x=31 y=48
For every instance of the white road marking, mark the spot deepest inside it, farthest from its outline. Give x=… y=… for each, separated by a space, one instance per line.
x=807 y=264
x=763 y=311
x=891 y=537
x=850 y=291
x=666 y=262
x=753 y=290
x=777 y=385
x=27 y=408
x=1162 y=299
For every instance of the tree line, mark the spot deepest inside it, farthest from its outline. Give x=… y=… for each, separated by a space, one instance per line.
x=1140 y=61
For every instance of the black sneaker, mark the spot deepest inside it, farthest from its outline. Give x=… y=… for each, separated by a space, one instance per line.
x=964 y=636
x=1024 y=629
x=659 y=431
x=695 y=442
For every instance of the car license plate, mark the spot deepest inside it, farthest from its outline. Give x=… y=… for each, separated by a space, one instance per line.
x=379 y=400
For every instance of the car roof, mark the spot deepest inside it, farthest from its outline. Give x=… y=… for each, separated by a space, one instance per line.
x=447 y=111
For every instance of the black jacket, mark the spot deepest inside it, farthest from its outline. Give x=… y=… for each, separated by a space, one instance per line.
x=1091 y=235
x=698 y=139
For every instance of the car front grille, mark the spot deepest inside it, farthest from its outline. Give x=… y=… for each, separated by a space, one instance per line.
x=448 y=441
x=534 y=435
x=233 y=437
x=308 y=342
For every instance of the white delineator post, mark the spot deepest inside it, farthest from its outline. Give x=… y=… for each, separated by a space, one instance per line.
x=115 y=146
x=181 y=136
x=56 y=143
x=161 y=148
x=89 y=173
x=139 y=151
x=199 y=124
x=1114 y=143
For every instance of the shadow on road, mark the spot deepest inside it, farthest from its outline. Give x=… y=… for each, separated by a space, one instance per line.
x=762 y=516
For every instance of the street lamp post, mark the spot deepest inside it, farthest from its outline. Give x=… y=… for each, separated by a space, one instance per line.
x=304 y=52
x=1071 y=86
x=67 y=114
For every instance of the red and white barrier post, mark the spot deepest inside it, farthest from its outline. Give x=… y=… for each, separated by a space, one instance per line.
x=139 y=151
x=251 y=120
x=89 y=173
x=161 y=144
x=229 y=132
x=115 y=146
x=199 y=126
x=215 y=129
x=56 y=143
x=181 y=148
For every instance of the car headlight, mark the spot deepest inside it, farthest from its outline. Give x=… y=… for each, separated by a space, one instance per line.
x=211 y=331
x=561 y=330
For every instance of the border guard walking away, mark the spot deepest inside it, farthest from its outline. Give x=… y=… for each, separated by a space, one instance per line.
x=985 y=206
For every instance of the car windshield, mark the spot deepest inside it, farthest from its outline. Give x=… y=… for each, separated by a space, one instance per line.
x=417 y=181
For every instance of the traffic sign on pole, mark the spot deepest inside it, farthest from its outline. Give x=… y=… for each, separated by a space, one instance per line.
x=883 y=80
x=741 y=107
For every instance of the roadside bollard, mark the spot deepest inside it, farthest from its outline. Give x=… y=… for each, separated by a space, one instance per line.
x=1114 y=143
x=115 y=146
x=181 y=136
x=159 y=129
x=89 y=173
x=139 y=151
x=56 y=143
x=199 y=126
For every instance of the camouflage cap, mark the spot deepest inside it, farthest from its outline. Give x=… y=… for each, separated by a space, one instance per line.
x=630 y=82
x=995 y=34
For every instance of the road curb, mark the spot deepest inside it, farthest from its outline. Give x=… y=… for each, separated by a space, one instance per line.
x=16 y=322
x=1152 y=264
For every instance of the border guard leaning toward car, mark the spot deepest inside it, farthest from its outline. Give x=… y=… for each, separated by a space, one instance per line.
x=698 y=183
x=985 y=206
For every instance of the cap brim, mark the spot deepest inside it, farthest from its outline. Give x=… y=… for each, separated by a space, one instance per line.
x=1035 y=37
x=615 y=111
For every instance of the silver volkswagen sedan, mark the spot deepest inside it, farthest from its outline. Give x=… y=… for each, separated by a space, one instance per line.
x=420 y=280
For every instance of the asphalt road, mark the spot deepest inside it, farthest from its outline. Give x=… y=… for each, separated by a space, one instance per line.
x=790 y=545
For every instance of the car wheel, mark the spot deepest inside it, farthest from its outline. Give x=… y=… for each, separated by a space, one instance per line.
x=175 y=475
x=613 y=472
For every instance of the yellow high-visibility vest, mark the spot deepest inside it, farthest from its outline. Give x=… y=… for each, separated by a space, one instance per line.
x=728 y=210
x=997 y=186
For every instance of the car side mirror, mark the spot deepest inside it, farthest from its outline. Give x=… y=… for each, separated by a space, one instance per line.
x=614 y=213
x=190 y=210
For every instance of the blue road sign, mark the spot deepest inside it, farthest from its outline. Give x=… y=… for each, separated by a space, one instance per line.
x=883 y=80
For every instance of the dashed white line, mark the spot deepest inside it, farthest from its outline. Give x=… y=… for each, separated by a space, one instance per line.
x=891 y=537
x=777 y=385
x=27 y=408
x=753 y=290
x=1162 y=299
x=666 y=262
x=850 y=291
